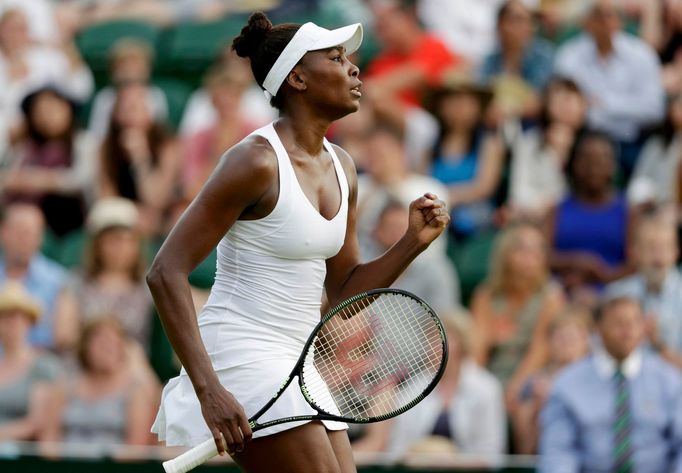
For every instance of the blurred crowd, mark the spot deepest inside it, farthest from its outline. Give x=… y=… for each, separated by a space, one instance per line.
x=553 y=129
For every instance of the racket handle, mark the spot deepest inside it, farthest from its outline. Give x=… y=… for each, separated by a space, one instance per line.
x=192 y=458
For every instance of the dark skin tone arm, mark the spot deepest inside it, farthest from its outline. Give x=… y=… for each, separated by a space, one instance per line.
x=347 y=277
x=240 y=187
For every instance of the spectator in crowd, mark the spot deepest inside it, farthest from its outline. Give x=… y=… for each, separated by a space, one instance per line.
x=589 y=229
x=21 y=234
x=41 y=18
x=671 y=49
x=53 y=163
x=410 y=59
x=387 y=178
x=138 y=159
x=513 y=308
x=28 y=377
x=25 y=67
x=130 y=60
x=617 y=410
x=203 y=149
x=539 y=156
x=466 y=408
x=657 y=284
x=200 y=112
x=655 y=178
x=432 y=278
x=466 y=26
x=568 y=339
x=108 y=402
x=466 y=157
x=620 y=75
x=520 y=65
x=112 y=280
x=165 y=13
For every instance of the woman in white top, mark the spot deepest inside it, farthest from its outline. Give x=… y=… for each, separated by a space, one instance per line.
x=281 y=207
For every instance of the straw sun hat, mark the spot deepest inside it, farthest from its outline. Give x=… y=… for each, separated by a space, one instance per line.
x=14 y=297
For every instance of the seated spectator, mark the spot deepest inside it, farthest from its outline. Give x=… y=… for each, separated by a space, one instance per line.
x=108 y=403
x=520 y=66
x=200 y=112
x=514 y=307
x=28 y=377
x=25 y=67
x=53 y=163
x=466 y=158
x=165 y=13
x=130 y=60
x=619 y=74
x=466 y=26
x=617 y=410
x=568 y=340
x=203 y=149
x=655 y=178
x=387 y=177
x=21 y=235
x=466 y=407
x=138 y=159
x=657 y=284
x=589 y=229
x=539 y=156
x=112 y=282
x=433 y=278
x=410 y=60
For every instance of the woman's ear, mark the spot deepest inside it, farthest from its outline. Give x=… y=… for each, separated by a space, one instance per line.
x=296 y=79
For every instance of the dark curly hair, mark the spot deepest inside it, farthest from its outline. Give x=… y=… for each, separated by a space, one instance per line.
x=263 y=43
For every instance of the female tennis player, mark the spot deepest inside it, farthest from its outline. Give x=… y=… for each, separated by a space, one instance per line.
x=281 y=207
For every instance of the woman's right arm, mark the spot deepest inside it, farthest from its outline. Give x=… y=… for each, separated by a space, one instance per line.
x=241 y=180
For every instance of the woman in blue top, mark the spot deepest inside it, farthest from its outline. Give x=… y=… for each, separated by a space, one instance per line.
x=589 y=228
x=466 y=157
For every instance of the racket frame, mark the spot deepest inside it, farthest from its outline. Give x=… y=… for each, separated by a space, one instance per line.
x=297 y=371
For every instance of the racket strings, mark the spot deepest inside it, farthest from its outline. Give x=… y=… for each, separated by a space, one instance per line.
x=374 y=357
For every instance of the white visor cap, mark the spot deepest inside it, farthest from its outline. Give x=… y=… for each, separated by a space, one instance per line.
x=310 y=37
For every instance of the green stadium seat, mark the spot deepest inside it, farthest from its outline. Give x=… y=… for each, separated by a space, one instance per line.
x=177 y=93
x=189 y=48
x=94 y=42
x=472 y=260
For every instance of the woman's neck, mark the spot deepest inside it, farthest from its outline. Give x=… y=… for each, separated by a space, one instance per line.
x=16 y=351
x=115 y=278
x=512 y=58
x=595 y=197
x=301 y=128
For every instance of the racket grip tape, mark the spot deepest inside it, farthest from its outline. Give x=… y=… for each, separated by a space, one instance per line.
x=192 y=458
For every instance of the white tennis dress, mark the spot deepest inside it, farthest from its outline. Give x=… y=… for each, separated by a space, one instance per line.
x=263 y=306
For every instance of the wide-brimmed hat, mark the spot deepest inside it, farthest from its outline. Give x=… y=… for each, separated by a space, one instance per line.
x=15 y=297
x=112 y=212
x=457 y=83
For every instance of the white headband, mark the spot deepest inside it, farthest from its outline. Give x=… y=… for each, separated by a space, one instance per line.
x=309 y=37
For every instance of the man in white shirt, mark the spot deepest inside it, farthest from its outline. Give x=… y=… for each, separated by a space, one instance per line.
x=620 y=75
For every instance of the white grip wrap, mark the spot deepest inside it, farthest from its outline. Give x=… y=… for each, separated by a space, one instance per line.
x=192 y=458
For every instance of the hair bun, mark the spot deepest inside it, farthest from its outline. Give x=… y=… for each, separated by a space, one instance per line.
x=252 y=35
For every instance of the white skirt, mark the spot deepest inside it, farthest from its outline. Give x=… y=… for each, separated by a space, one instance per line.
x=180 y=422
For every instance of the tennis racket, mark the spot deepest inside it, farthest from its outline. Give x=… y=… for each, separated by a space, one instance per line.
x=372 y=357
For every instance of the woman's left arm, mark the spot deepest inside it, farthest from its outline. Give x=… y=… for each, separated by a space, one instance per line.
x=346 y=276
x=536 y=356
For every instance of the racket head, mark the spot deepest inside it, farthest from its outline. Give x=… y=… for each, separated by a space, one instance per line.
x=373 y=357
